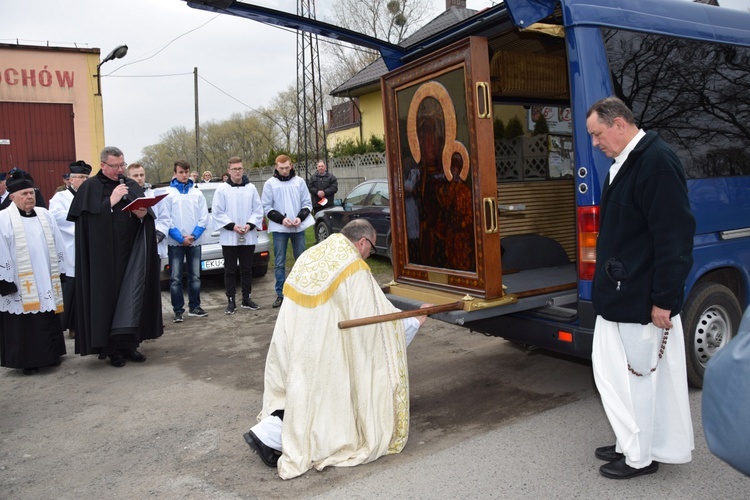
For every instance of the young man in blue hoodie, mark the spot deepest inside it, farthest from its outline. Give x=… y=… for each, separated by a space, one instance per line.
x=189 y=214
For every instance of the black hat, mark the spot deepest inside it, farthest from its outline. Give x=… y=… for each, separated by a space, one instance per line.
x=80 y=167
x=17 y=180
x=66 y=175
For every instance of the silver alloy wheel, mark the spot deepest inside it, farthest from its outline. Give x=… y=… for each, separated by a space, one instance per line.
x=322 y=231
x=713 y=331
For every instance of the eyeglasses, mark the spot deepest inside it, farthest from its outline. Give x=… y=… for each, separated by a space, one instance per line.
x=237 y=169
x=121 y=166
x=79 y=176
x=372 y=246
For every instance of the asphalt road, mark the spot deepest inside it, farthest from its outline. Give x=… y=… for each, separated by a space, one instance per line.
x=488 y=420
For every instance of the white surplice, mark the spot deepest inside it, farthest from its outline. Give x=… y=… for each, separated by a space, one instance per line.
x=59 y=205
x=240 y=205
x=40 y=256
x=650 y=415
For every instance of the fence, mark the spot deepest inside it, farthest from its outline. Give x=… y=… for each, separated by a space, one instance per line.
x=349 y=170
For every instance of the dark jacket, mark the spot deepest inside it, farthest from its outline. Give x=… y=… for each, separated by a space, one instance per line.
x=644 y=249
x=326 y=183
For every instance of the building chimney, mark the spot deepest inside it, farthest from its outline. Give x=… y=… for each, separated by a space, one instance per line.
x=461 y=4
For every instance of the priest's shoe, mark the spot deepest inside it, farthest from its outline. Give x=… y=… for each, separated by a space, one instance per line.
x=620 y=470
x=269 y=456
x=117 y=360
x=134 y=355
x=608 y=453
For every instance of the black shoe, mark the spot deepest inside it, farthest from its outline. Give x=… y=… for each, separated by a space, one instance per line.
x=278 y=301
x=608 y=453
x=620 y=470
x=231 y=306
x=247 y=303
x=117 y=360
x=30 y=371
x=269 y=456
x=200 y=313
x=134 y=355
x=177 y=318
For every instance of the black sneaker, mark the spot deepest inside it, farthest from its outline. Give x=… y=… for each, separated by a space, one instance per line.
x=230 y=306
x=278 y=301
x=247 y=303
x=198 y=312
x=177 y=318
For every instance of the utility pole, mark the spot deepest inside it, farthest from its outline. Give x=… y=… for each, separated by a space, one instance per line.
x=311 y=135
x=197 y=123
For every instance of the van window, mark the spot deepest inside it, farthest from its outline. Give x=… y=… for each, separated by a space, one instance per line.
x=692 y=93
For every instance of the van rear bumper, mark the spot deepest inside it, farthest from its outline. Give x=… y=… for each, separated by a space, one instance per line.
x=536 y=328
x=566 y=327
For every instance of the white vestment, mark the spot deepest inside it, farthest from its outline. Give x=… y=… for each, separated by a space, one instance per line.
x=39 y=255
x=650 y=415
x=345 y=393
x=240 y=205
x=162 y=219
x=59 y=205
x=287 y=198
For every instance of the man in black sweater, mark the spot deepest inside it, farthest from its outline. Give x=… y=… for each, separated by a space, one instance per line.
x=643 y=256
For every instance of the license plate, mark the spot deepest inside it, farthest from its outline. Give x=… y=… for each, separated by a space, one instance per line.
x=212 y=264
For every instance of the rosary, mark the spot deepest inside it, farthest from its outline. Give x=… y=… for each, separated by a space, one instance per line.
x=664 y=337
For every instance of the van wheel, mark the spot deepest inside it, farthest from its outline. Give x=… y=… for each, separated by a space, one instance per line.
x=710 y=319
x=322 y=231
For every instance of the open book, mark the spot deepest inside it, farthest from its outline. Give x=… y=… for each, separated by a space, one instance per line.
x=144 y=202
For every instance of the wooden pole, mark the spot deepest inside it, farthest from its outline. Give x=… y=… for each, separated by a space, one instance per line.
x=382 y=318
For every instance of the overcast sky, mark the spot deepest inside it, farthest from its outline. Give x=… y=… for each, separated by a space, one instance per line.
x=242 y=64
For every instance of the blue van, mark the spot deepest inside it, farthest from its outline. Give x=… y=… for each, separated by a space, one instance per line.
x=524 y=251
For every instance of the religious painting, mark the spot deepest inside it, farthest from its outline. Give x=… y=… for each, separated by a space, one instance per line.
x=439 y=134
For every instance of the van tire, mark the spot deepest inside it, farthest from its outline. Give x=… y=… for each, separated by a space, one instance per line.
x=710 y=319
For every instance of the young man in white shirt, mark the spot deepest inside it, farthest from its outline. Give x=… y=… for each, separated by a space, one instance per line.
x=237 y=212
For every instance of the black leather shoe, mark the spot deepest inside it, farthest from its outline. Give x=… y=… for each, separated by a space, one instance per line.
x=30 y=371
x=134 y=355
x=608 y=453
x=117 y=360
x=620 y=470
x=269 y=456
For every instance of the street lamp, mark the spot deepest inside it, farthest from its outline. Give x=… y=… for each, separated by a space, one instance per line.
x=118 y=53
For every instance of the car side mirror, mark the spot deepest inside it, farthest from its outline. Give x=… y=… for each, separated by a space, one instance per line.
x=348 y=207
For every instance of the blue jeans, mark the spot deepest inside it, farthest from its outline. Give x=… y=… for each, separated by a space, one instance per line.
x=178 y=256
x=280 y=241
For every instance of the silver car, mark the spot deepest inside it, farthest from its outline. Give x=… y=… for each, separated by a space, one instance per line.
x=212 y=259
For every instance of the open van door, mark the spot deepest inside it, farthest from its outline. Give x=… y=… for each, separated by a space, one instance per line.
x=441 y=170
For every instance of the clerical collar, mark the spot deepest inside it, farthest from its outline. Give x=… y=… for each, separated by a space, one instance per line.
x=26 y=214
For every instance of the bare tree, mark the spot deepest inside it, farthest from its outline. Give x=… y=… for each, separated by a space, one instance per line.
x=282 y=116
x=389 y=20
x=695 y=94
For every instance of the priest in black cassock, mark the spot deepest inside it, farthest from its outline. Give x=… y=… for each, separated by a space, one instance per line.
x=118 y=300
x=32 y=264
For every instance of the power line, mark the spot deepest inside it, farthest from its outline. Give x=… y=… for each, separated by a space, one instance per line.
x=146 y=76
x=163 y=48
x=228 y=94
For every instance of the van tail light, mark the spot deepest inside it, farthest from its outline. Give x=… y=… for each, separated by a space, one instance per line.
x=588 y=230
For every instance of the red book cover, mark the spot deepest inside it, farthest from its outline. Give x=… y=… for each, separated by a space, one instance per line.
x=144 y=202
